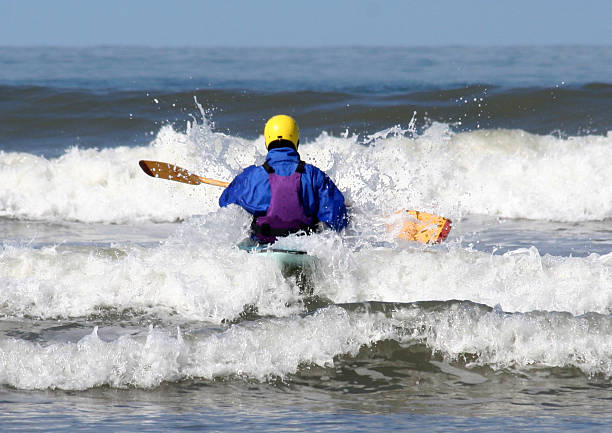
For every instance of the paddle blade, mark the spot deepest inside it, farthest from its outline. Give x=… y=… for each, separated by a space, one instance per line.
x=164 y=170
x=419 y=227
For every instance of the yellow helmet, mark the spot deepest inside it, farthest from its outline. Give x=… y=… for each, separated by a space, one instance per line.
x=282 y=127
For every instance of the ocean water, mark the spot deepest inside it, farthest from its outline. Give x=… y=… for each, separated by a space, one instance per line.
x=126 y=306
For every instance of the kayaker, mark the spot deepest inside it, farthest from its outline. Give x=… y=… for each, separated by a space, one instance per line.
x=285 y=195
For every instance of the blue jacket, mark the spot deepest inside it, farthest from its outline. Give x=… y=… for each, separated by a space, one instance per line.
x=320 y=197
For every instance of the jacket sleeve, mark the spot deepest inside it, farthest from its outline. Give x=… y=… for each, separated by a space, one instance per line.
x=250 y=190
x=331 y=209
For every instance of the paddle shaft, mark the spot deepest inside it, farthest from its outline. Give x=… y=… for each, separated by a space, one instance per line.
x=214 y=182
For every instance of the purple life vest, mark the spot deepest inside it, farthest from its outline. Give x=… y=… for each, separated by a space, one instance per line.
x=285 y=215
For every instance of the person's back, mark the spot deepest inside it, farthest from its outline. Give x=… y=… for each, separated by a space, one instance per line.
x=285 y=195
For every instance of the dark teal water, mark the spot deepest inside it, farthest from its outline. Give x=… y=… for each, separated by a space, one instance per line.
x=51 y=98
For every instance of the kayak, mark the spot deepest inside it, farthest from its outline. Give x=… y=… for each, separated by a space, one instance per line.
x=288 y=258
x=296 y=265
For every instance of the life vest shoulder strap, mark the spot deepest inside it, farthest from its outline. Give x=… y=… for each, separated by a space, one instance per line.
x=268 y=167
x=300 y=167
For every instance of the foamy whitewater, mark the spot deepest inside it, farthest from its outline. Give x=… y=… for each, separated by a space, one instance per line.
x=500 y=173
x=124 y=300
x=197 y=273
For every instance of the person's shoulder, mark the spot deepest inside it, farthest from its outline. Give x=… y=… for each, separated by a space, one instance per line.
x=248 y=175
x=252 y=170
x=312 y=167
x=314 y=171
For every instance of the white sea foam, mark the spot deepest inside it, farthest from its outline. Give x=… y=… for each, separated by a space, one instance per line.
x=561 y=305
x=215 y=283
x=260 y=350
x=520 y=280
x=536 y=339
x=278 y=347
x=507 y=173
x=179 y=277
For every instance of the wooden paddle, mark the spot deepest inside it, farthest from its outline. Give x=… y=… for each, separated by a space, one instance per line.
x=164 y=170
x=409 y=225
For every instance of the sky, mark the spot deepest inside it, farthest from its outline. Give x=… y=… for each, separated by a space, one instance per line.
x=311 y=23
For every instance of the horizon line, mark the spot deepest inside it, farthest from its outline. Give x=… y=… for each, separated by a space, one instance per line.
x=310 y=47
